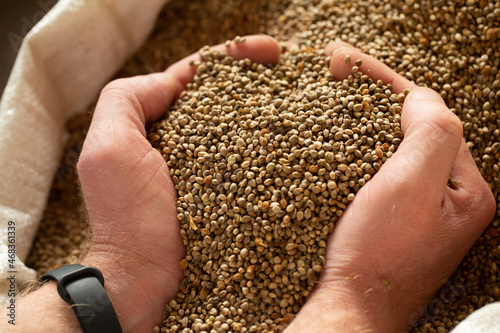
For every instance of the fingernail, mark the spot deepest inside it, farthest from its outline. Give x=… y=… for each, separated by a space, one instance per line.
x=421 y=94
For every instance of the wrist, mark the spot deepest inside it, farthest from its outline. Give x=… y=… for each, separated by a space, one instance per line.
x=330 y=312
x=42 y=308
x=358 y=304
x=130 y=286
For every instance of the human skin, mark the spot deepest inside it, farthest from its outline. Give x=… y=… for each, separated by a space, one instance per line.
x=406 y=231
x=405 y=227
x=130 y=201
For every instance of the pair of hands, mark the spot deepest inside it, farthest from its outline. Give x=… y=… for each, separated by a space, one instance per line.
x=395 y=245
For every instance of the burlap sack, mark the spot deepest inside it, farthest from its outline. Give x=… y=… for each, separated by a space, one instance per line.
x=62 y=65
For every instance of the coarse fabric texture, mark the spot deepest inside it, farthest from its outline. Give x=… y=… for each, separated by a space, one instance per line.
x=484 y=320
x=62 y=65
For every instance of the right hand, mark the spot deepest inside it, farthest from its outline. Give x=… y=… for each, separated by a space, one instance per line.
x=406 y=231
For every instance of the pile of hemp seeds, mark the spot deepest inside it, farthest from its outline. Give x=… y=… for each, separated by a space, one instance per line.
x=265 y=159
x=450 y=46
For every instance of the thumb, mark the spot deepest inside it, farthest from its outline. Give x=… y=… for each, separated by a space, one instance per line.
x=130 y=103
x=116 y=160
x=432 y=138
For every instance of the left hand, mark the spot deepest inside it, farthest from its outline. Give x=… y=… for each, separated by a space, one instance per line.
x=406 y=231
x=128 y=192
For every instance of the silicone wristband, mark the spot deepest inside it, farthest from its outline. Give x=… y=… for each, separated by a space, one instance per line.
x=83 y=288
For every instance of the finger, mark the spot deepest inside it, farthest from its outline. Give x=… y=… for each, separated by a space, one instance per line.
x=117 y=133
x=370 y=66
x=130 y=103
x=258 y=48
x=465 y=171
x=116 y=150
x=432 y=138
x=330 y=48
x=469 y=202
x=116 y=141
x=470 y=187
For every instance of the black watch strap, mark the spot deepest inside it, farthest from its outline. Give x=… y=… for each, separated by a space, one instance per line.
x=83 y=288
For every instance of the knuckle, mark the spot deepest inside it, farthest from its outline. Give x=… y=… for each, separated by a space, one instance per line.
x=447 y=122
x=488 y=203
x=123 y=92
x=120 y=87
x=94 y=159
x=480 y=202
x=84 y=164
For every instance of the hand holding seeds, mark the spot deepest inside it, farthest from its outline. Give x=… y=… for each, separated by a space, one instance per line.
x=265 y=160
x=408 y=228
x=130 y=198
x=131 y=202
x=273 y=155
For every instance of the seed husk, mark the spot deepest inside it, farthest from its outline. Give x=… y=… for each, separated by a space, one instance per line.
x=265 y=235
x=463 y=70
